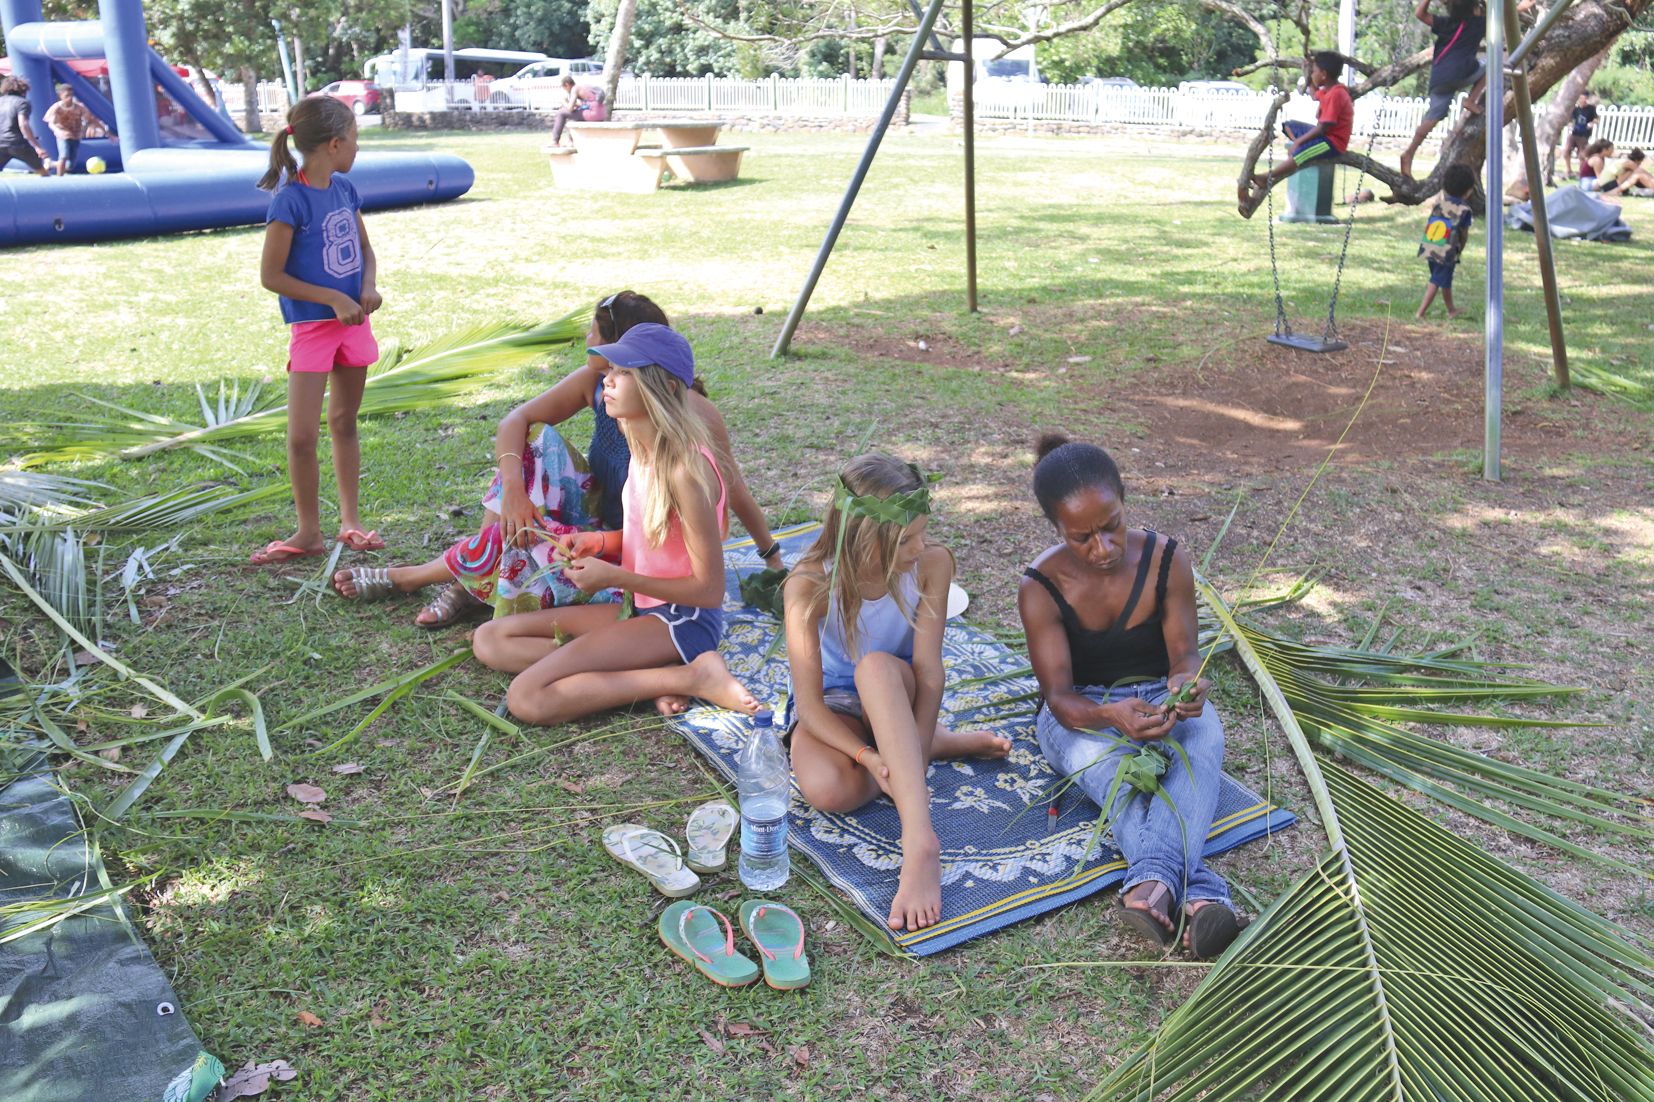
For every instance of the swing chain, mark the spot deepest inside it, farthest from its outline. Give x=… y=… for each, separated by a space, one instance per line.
x=1330 y=333
x=1283 y=326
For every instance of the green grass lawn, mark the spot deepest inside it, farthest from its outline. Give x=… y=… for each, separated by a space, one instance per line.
x=484 y=947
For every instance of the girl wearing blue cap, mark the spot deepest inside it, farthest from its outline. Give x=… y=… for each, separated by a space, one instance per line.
x=546 y=488
x=674 y=510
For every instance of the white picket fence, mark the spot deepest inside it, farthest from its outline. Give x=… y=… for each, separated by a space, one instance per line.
x=272 y=97
x=1391 y=116
x=1387 y=116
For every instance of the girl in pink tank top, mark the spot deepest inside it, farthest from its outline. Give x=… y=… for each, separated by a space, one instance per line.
x=579 y=659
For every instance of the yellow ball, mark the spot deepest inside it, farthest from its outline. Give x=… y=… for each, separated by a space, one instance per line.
x=95 y=165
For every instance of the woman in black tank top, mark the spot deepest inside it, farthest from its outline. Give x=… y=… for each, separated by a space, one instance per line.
x=1110 y=618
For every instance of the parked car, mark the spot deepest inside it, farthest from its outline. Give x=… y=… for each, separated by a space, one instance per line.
x=1217 y=87
x=361 y=96
x=1109 y=82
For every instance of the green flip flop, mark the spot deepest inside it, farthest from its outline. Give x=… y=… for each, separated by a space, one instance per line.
x=778 y=934
x=691 y=931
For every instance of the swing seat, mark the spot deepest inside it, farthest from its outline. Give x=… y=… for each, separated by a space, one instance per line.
x=1305 y=343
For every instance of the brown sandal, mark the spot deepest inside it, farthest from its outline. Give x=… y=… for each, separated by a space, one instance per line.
x=449 y=605
x=1143 y=920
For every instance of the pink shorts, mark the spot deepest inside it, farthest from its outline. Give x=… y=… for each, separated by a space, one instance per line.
x=324 y=345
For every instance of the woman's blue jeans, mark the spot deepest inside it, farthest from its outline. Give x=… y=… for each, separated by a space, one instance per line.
x=1148 y=831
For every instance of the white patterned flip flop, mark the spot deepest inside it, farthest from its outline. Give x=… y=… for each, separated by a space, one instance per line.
x=710 y=828
x=653 y=854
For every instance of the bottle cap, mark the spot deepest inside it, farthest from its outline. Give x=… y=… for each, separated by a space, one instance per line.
x=762 y=718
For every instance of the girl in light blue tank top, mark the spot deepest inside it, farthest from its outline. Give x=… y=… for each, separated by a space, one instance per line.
x=865 y=612
x=881 y=626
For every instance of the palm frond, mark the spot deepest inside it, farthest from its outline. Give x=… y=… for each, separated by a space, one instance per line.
x=426 y=377
x=1409 y=964
x=1610 y=384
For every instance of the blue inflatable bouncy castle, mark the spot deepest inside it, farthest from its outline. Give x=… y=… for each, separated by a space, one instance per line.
x=155 y=183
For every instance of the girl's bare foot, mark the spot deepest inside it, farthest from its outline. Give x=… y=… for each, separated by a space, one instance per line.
x=918 y=901
x=713 y=682
x=1407 y=165
x=1454 y=313
x=968 y=744
x=671 y=704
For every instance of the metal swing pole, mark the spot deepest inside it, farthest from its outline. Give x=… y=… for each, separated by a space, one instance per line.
x=1536 y=197
x=1493 y=368
x=784 y=341
x=970 y=157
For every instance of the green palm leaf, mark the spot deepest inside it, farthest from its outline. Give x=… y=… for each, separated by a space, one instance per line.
x=1409 y=964
x=426 y=377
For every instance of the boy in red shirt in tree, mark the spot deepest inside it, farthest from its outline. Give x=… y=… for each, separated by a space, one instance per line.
x=1329 y=137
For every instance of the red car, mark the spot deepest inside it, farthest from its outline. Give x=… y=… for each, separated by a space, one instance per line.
x=362 y=95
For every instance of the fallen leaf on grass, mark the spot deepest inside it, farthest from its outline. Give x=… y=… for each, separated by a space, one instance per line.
x=315 y=814
x=712 y=1042
x=306 y=793
x=571 y=787
x=139 y=711
x=801 y=1056
x=348 y=768
x=253 y=1080
x=306 y=1018
x=84 y=658
x=1079 y=359
x=112 y=753
x=744 y=1029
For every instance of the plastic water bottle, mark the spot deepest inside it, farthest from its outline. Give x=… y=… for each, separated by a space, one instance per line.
x=764 y=777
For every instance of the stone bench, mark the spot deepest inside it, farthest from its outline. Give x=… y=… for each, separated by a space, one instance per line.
x=704 y=164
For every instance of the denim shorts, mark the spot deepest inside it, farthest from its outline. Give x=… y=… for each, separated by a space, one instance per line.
x=694 y=630
x=1441 y=273
x=1441 y=96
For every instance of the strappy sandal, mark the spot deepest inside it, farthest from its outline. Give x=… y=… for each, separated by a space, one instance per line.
x=786 y=967
x=699 y=943
x=654 y=855
x=373 y=583
x=1143 y=921
x=710 y=828
x=1212 y=927
x=447 y=607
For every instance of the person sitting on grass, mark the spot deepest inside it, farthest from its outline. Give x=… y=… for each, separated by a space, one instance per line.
x=1445 y=233
x=865 y=609
x=543 y=487
x=574 y=661
x=1453 y=66
x=1327 y=139
x=1118 y=665
x=1593 y=163
x=1631 y=178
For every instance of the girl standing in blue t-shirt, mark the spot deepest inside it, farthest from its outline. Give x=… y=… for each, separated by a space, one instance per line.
x=318 y=260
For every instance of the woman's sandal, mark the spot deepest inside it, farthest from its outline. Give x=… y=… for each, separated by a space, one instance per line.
x=1144 y=922
x=358 y=540
x=447 y=607
x=710 y=828
x=1212 y=927
x=654 y=855
x=373 y=583
x=781 y=948
x=686 y=930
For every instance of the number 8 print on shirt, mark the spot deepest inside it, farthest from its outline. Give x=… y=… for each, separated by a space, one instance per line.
x=341 y=246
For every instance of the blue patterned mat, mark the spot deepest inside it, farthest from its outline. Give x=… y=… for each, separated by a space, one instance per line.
x=998 y=867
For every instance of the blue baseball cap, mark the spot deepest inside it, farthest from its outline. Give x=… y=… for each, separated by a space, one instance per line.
x=651 y=343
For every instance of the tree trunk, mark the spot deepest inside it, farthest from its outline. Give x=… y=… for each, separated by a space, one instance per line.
x=203 y=86
x=249 y=93
x=620 y=38
x=1548 y=127
x=876 y=70
x=1589 y=28
x=298 y=65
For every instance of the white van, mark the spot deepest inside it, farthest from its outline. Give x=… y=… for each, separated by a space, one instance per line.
x=1014 y=78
